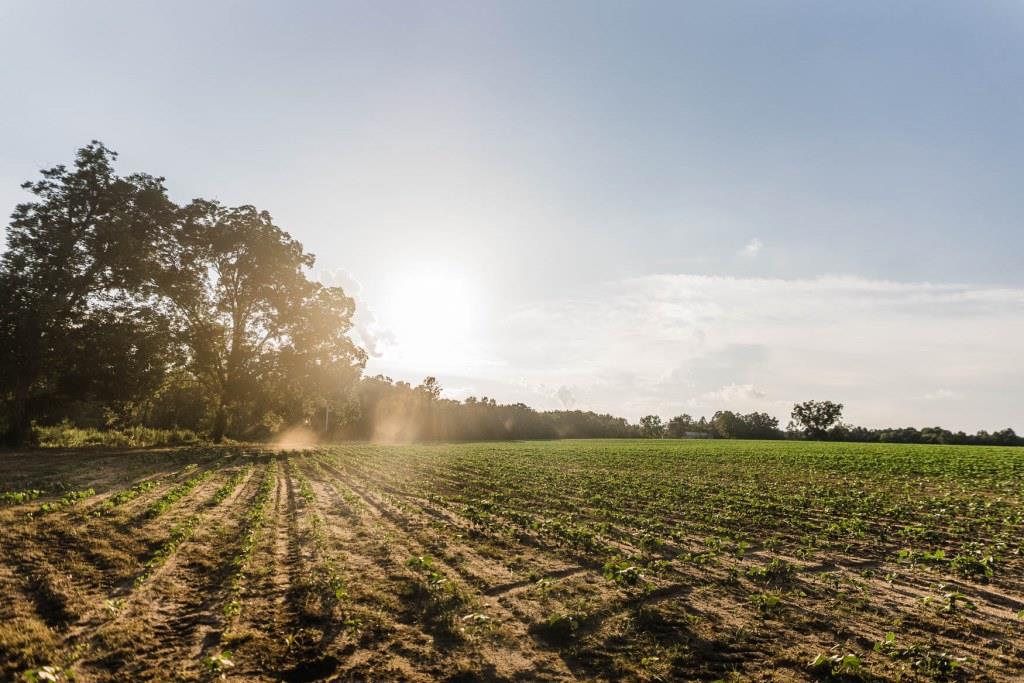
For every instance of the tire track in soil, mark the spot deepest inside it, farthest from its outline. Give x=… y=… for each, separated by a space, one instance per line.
x=515 y=657
x=613 y=604
x=593 y=629
x=584 y=562
x=385 y=652
x=618 y=542
x=65 y=564
x=547 y=566
x=163 y=624
x=266 y=610
x=987 y=616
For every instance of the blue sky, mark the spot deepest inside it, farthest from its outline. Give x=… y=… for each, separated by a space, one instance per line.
x=628 y=207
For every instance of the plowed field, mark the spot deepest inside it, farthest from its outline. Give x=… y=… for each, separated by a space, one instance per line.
x=574 y=560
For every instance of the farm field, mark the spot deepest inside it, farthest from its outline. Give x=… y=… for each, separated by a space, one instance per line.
x=650 y=560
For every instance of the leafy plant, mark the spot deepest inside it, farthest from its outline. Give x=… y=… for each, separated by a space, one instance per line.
x=837 y=665
x=776 y=571
x=19 y=497
x=622 y=572
x=766 y=602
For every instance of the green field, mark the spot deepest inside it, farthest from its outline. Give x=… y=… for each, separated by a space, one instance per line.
x=564 y=560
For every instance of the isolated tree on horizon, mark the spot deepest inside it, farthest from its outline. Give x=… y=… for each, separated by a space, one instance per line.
x=817 y=417
x=679 y=425
x=651 y=427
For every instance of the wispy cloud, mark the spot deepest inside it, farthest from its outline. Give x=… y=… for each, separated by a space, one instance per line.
x=670 y=343
x=732 y=393
x=367 y=332
x=752 y=248
x=941 y=395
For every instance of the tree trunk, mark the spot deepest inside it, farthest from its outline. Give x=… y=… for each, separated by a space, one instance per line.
x=220 y=423
x=19 y=431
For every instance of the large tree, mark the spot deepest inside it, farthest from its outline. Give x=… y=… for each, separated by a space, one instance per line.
x=81 y=246
x=679 y=425
x=651 y=427
x=817 y=417
x=250 y=317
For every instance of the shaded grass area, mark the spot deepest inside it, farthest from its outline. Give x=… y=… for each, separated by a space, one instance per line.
x=67 y=436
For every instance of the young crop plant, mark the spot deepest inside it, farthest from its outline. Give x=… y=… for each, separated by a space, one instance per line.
x=954 y=602
x=924 y=658
x=974 y=565
x=230 y=485
x=777 y=571
x=218 y=664
x=326 y=575
x=443 y=596
x=622 y=572
x=558 y=629
x=179 y=534
x=183 y=531
x=123 y=497
x=252 y=524
x=48 y=674
x=766 y=603
x=19 y=497
x=424 y=565
x=848 y=665
x=67 y=500
x=161 y=505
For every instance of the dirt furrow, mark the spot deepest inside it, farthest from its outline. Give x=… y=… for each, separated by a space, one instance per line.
x=160 y=628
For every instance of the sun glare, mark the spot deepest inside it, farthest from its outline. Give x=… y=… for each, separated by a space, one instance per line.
x=432 y=311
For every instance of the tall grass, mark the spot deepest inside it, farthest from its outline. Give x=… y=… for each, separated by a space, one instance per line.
x=68 y=436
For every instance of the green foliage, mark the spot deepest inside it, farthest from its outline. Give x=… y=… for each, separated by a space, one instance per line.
x=765 y=603
x=837 y=665
x=65 y=435
x=558 y=629
x=162 y=504
x=651 y=427
x=622 y=572
x=219 y=663
x=114 y=301
x=48 y=674
x=817 y=417
x=122 y=497
x=74 y=319
x=924 y=658
x=19 y=497
x=252 y=525
x=973 y=565
x=423 y=565
x=180 y=533
x=68 y=499
x=776 y=571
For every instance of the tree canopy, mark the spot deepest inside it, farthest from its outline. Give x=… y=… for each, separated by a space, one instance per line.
x=111 y=292
x=121 y=308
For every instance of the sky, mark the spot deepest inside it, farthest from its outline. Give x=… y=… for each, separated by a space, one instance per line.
x=631 y=208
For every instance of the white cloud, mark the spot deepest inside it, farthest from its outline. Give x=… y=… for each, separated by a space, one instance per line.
x=733 y=393
x=752 y=248
x=366 y=331
x=941 y=395
x=566 y=396
x=666 y=343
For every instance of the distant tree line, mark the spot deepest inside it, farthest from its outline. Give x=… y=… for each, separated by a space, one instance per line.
x=397 y=411
x=121 y=309
x=814 y=420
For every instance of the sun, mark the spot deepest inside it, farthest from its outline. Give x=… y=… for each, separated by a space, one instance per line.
x=433 y=311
